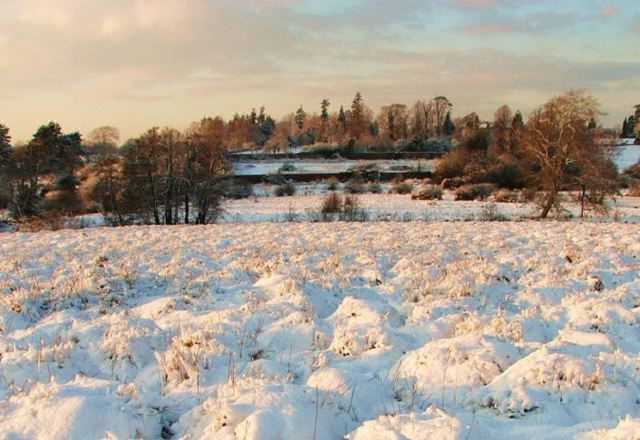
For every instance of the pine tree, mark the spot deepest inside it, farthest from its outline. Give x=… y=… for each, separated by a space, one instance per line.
x=342 y=120
x=264 y=128
x=625 y=128
x=593 y=124
x=518 y=121
x=356 y=120
x=324 y=110
x=447 y=127
x=631 y=123
x=261 y=115
x=5 y=144
x=300 y=117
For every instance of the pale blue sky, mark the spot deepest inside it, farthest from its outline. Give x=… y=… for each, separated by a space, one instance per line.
x=138 y=63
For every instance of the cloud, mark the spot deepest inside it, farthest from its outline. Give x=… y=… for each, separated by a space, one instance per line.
x=147 y=61
x=609 y=11
x=533 y=22
x=475 y=4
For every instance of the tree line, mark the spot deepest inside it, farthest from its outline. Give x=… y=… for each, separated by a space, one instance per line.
x=162 y=177
x=560 y=147
x=167 y=176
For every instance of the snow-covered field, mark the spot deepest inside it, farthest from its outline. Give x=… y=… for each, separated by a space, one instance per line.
x=336 y=166
x=628 y=155
x=468 y=330
x=400 y=207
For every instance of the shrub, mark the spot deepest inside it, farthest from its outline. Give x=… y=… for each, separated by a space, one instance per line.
x=331 y=205
x=354 y=185
x=49 y=221
x=429 y=192
x=474 y=192
x=402 y=188
x=490 y=213
x=287 y=167
x=432 y=145
x=291 y=215
x=374 y=187
x=634 y=190
x=346 y=209
x=452 y=164
x=275 y=179
x=238 y=190
x=351 y=210
x=332 y=184
x=506 y=176
x=479 y=141
x=452 y=183
x=506 y=196
x=285 y=189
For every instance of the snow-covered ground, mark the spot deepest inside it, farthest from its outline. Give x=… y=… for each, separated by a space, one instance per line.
x=627 y=155
x=400 y=207
x=272 y=166
x=467 y=330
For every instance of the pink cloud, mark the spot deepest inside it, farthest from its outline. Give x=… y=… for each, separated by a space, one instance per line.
x=609 y=11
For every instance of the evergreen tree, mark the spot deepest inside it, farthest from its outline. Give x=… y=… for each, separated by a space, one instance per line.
x=49 y=154
x=342 y=120
x=631 y=122
x=593 y=124
x=264 y=127
x=357 y=119
x=324 y=110
x=5 y=144
x=441 y=106
x=447 y=127
x=518 y=121
x=300 y=117
x=262 y=115
x=625 y=128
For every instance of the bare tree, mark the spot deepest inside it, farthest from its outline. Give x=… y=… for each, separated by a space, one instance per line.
x=502 y=120
x=393 y=121
x=357 y=117
x=106 y=188
x=102 y=141
x=441 y=106
x=208 y=162
x=560 y=144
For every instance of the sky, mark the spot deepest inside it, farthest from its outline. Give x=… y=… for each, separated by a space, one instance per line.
x=134 y=64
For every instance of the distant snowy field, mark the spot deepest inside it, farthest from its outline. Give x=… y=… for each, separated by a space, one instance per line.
x=466 y=330
x=628 y=155
x=272 y=166
x=400 y=207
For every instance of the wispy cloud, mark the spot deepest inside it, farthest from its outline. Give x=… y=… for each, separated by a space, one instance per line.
x=476 y=4
x=147 y=61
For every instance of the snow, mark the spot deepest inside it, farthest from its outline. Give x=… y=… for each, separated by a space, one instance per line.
x=627 y=155
x=400 y=207
x=378 y=330
x=272 y=166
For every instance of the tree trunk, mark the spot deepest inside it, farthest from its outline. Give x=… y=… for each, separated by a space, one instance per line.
x=548 y=204
x=186 y=207
x=154 y=200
